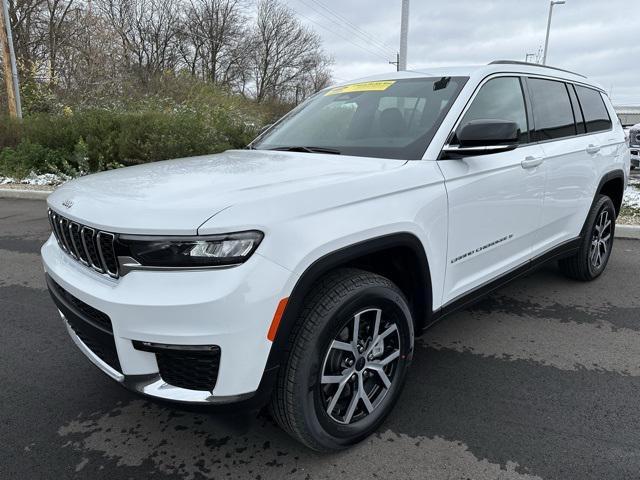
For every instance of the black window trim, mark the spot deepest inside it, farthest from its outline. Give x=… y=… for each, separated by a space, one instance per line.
x=575 y=126
x=573 y=83
x=528 y=105
x=606 y=109
x=473 y=96
x=575 y=103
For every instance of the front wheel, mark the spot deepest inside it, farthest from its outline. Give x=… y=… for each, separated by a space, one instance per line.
x=595 y=249
x=347 y=361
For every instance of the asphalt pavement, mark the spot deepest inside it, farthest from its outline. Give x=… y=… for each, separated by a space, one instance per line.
x=540 y=380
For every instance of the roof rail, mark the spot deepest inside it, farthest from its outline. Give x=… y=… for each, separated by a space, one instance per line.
x=516 y=62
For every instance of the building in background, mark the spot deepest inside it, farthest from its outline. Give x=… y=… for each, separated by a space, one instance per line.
x=629 y=114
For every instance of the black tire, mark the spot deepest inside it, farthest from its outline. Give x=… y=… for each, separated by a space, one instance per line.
x=299 y=402
x=582 y=265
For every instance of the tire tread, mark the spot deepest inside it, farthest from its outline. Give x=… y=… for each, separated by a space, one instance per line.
x=327 y=294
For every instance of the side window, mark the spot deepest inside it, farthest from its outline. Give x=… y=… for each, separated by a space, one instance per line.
x=552 y=110
x=595 y=112
x=500 y=99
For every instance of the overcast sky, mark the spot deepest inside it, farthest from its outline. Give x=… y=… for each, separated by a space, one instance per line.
x=599 y=38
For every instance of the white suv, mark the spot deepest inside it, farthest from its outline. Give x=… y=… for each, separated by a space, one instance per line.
x=295 y=273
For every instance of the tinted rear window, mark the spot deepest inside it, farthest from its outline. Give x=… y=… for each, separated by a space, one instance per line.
x=595 y=112
x=552 y=110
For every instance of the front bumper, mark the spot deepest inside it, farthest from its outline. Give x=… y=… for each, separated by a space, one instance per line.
x=228 y=308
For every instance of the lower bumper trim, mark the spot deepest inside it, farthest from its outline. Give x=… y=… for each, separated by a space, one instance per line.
x=152 y=385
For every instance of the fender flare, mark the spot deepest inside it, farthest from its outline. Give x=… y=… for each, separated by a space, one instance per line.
x=333 y=260
x=612 y=175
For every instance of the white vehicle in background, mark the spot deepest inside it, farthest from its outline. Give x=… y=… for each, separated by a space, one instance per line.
x=634 y=145
x=296 y=273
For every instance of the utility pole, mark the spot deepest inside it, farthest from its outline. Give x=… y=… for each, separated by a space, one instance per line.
x=397 y=62
x=546 y=40
x=404 y=33
x=9 y=63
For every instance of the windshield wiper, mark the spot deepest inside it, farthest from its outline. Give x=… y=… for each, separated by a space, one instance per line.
x=332 y=151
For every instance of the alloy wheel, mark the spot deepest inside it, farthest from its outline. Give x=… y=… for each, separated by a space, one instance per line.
x=359 y=366
x=601 y=240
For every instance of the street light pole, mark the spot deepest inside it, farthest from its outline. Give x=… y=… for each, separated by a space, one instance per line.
x=404 y=33
x=546 y=40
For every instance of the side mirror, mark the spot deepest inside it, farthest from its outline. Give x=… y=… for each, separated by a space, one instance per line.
x=481 y=137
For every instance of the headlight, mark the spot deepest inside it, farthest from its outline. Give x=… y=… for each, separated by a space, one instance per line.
x=190 y=252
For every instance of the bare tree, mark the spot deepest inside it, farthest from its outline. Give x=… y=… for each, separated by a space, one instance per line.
x=59 y=31
x=284 y=50
x=26 y=23
x=82 y=49
x=216 y=31
x=148 y=31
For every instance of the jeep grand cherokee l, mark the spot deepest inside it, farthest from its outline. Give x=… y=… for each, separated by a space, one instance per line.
x=297 y=272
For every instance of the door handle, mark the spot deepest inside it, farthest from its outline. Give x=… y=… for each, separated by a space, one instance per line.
x=531 y=162
x=592 y=149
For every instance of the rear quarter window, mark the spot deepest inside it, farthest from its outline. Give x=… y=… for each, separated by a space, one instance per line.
x=595 y=112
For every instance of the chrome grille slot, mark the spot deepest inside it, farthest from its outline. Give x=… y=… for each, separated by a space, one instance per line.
x=93 y=248
x=66 y=237
x=52 y=222
x=107 y=255
x=89 y=242
x=56 y=231
x=74 y=233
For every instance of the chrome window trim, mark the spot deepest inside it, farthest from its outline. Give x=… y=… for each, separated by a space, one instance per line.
x=447 y=147
x=529 y=75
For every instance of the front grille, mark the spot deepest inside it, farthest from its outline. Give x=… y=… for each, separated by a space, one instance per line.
x=194 y=368
x=91 y=326
x=91 y=247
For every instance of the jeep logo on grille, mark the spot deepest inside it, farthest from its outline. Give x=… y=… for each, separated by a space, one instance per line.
x=67 y=203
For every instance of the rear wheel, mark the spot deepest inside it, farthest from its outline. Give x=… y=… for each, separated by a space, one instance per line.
x=595 y=249
x=347 y=361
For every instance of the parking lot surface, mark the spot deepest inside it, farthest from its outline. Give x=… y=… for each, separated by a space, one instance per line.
x=540 y=380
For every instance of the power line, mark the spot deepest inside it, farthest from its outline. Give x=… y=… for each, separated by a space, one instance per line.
x=367 y=37
x=372 y=52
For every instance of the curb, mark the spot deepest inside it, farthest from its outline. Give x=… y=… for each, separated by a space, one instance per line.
x=24 y=193
x=627 y=231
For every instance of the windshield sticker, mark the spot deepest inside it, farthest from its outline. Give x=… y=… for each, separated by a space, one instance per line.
x=362 y=87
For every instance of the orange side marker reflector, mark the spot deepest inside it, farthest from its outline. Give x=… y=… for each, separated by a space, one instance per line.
x=275 y=323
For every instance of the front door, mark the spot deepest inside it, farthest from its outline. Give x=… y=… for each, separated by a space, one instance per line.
x=494 y=200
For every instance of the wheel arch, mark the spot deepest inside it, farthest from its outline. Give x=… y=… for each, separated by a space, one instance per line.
x=382 y=255
x=612 y=185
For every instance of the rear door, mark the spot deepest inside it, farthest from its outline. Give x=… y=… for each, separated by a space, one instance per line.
x=573 y=159
x=495 y=200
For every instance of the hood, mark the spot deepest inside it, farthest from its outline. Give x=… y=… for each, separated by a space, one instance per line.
x=175 y=197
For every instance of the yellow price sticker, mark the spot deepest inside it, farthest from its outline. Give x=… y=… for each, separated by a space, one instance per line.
x=362 y=87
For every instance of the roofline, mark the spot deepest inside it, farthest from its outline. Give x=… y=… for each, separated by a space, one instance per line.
x=516 y=62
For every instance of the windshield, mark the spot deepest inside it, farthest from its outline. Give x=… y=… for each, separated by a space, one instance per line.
x=387 y=119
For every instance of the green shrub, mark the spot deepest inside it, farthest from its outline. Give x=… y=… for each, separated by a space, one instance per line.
x=30 y=157
x=180 y=117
